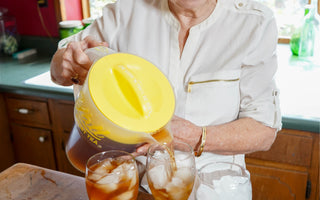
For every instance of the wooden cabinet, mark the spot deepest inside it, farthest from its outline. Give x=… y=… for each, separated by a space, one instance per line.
x=40 y=129
x=33 y=145
x=289 y=170
x=6 y=149
x=31 y=130
x=32 y=112
x=62 y=112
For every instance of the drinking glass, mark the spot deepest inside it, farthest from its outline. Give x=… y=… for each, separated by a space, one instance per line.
x=224 y=181
x=112 y=175
x=171 y=170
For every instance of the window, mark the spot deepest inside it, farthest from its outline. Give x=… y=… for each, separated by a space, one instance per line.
x=96 y=7
x=288 y=13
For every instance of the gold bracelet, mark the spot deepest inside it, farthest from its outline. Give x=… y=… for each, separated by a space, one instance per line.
x=203 y=141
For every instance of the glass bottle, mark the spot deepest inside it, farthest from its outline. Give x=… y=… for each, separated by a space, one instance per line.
x=305 y=40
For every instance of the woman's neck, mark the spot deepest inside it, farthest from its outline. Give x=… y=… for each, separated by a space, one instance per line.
x=191 y=12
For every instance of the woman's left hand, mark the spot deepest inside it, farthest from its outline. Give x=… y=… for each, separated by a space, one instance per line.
x=182 y=130
x=185 y=131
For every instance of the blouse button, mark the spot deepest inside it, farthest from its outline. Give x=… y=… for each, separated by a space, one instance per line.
x=239 y=4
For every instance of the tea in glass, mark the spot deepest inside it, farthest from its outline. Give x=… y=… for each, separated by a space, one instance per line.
x=112 y=175
x=171 y=172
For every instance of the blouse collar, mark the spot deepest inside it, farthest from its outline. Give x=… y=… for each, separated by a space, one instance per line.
x=172 y=20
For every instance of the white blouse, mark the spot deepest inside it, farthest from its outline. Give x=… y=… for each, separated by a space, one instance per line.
x=227 y=67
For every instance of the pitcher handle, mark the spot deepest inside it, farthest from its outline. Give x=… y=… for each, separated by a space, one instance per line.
x=76 y=91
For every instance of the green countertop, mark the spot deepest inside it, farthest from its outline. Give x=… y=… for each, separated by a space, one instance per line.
x=298 y=81
x=14 y=74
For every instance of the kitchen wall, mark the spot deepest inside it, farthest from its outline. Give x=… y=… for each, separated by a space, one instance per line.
x=28 y=16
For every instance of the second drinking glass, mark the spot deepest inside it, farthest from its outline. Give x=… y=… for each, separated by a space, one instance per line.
x=171 y=171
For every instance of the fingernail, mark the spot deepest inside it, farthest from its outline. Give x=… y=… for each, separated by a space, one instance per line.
x=75 y=80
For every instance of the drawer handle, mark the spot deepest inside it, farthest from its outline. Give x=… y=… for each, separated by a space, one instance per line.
x=24 y=111
x=42 y=139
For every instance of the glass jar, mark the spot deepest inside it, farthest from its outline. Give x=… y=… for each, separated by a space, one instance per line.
x=87 y=21
x=8 y=33
x=305 y=40
x=70 y=27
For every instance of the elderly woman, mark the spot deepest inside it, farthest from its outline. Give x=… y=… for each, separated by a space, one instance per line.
x=220 y=58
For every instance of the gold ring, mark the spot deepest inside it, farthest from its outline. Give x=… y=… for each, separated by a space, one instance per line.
x=75 y=79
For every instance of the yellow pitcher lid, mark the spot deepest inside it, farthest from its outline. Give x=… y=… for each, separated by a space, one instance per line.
x=131 y=92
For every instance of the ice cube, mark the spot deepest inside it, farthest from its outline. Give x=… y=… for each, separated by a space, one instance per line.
x=103 y=167
x=99 y=170
x=109 y=178
x=175 y=181
x=159 y=176
x=185 y=174
x=205 y=192
x=94 y=177
x=109 y=182
x=233 y=187
x=176 y=188
x=133 y=176
x=125 y=196
x=107 y=188
x=161 y=155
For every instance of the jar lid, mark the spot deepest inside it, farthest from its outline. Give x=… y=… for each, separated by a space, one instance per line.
x=70 y=24
x=131 y=92
x=88 y=20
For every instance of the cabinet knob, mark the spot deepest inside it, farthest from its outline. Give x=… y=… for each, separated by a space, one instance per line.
x=24 y=111
x=42 y=139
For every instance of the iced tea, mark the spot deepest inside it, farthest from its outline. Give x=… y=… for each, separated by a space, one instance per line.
x=176 y=187
x=112 y=178
x=171 y=172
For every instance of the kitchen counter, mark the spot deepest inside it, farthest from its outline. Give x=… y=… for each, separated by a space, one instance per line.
x=14 y=75
x=23 y=181
x=298 y=81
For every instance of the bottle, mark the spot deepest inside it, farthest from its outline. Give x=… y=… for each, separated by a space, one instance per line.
x=87 y=21
x=305 y=40
x=69 y=27
x=9 y=37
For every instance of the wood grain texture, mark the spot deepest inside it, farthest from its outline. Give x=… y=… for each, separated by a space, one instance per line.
x=6 y=148
x=23 y=182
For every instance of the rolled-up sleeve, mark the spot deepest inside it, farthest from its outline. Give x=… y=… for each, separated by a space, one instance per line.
x=259 y=93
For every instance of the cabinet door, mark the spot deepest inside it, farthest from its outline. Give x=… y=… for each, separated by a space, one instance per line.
x=33 y=146
x=6 y=149
x=63 y=121
x=273 y=184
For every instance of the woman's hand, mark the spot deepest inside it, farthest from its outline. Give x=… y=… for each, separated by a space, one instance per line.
x=185 y=131
x=70 y=65
x=141 y=150
x=182 y=130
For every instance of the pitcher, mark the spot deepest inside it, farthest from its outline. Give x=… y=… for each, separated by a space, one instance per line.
x=124 y=102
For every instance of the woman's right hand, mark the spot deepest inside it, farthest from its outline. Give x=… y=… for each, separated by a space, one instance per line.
x=70 y=65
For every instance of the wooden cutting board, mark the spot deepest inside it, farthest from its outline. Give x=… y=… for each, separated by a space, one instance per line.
x=28 y=182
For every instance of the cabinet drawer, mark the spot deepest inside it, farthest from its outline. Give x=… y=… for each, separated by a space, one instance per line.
x=272 y=183
x=28 y=112
x=290 y=147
